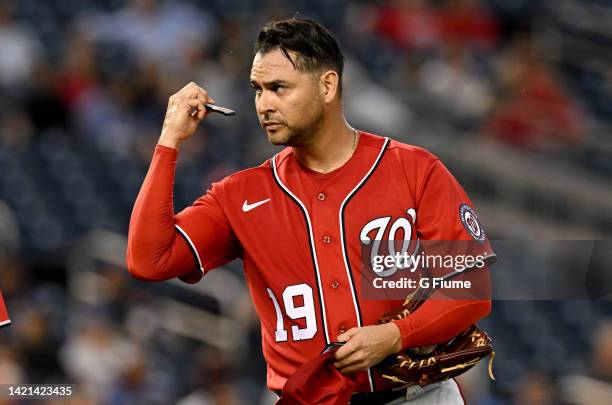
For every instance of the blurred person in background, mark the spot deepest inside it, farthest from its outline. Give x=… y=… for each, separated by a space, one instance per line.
x=533 y=110
x=38 y=347
x=78 y=73
x=468 y=22
x=456 y=82
x=135 y=385
x=24 y=48
x=213 y=378
x=102 y=97
x=595 y=386
x=97 y=356
x=9 y=234
x=11 y=372
x=408 y=24
x=45 y=105
x=535 y=387
x=156 y=31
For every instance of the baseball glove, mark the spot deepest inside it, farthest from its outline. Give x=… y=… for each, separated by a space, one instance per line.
x=430 y=364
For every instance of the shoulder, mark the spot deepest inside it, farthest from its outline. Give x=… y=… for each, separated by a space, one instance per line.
x=412 y=154
x=400 y=152
x=256 y=176
x=249 y=175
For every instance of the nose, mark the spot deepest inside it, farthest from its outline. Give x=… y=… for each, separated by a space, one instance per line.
x=265 y=103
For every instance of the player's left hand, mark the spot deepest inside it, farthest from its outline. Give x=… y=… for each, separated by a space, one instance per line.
x=366 y=347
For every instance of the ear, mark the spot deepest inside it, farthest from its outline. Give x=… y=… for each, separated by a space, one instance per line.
x=329 y=85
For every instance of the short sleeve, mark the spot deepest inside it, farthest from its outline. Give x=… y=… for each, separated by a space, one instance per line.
x=207 y=231
x=446 y=214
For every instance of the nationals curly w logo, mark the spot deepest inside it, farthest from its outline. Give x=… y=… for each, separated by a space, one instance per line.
x=401 y=231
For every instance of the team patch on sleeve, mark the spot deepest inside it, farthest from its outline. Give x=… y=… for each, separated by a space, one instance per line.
x=471 y=223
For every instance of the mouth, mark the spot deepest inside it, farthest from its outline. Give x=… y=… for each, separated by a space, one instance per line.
x=272 y=125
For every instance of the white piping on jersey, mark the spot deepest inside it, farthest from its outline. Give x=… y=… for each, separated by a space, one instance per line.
x=193 y=248
x=3 y=323
x=345 y=254
x=312 y=243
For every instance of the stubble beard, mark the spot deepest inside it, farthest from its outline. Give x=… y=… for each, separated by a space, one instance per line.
x=290 y=136
x=304 y=135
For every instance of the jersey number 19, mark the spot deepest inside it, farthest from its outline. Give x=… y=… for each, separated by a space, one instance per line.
x=295 y=312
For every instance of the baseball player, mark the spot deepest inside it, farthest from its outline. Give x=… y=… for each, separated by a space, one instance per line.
x=4 y=318
x=298 y=219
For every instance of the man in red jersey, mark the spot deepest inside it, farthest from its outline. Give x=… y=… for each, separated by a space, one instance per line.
x=298 y=219
x=4 y=318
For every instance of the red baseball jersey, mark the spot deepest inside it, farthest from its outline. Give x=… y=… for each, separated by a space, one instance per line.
x=299 y=235
x=4 y=318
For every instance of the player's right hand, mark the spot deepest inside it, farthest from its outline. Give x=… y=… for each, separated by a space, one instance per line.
x=180 y=123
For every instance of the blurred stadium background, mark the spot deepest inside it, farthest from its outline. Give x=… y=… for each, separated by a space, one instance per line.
x=515 y=96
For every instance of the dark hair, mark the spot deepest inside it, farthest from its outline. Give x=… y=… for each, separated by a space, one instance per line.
x=315 y=46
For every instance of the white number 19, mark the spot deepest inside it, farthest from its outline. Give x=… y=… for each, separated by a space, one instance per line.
x=306 y=311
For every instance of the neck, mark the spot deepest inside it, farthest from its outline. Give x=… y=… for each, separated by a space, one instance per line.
x=332 y=148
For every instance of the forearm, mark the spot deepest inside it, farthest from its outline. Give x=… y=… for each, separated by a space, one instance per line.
x=155 y=250
x=440 y=317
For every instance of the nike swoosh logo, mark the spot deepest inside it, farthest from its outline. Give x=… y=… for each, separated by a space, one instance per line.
x=246 y=207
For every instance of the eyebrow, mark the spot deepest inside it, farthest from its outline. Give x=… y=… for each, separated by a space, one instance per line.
x=269 y=84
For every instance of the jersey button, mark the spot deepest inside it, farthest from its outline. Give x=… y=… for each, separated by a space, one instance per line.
x=327 y=239
x=335 y=284
x=341 y=329
x=321 y=196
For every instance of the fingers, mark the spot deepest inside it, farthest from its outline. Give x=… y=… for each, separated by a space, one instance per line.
x=192 y=90
x=344 y=337
x=186 y=87
x=352 y=359
x=195 y=108
x=346 y=358
x=351 y=346
x=345 y=351
x=354 y=368
x=356 y=361
x=195 y=97
x=186 y=108
x=354 y=355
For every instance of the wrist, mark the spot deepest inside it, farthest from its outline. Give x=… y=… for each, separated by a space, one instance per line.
x=169 y=142
x=396 y=336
